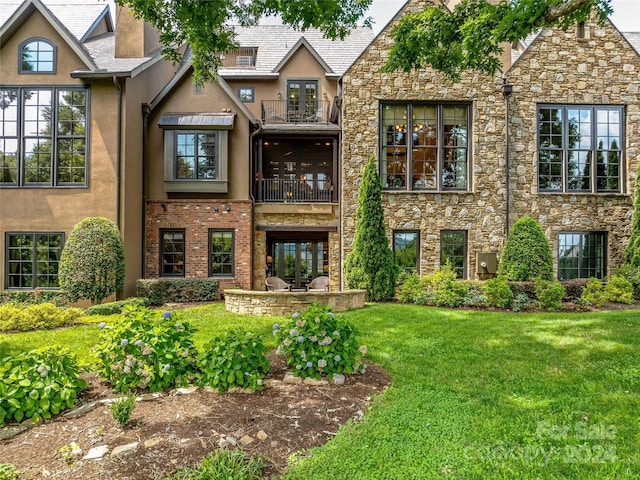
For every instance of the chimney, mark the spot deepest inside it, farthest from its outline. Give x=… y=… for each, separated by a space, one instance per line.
x=135 y=38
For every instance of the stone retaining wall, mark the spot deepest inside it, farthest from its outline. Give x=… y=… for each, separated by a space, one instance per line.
x=286 y=303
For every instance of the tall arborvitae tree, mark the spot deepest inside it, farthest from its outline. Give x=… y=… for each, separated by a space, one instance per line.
x=370 y=265
x=527 y=254
x=632 y=252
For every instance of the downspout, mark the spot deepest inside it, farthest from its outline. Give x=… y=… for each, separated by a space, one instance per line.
x=118 y=151
x=252 y=169
x=146 y=112
x=507 y=89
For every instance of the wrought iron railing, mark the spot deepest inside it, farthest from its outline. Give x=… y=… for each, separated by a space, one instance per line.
x=294 y=191
x=244 y=57
x=281 y=111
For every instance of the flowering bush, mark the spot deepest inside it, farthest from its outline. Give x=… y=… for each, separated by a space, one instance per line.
x=317 y=343
x=38 y=384
x=234 y=359
x=146 y=349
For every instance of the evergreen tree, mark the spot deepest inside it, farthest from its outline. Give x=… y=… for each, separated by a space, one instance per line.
x=632 y=252
x=370 y=265
x=92 y=262
x=527 y=254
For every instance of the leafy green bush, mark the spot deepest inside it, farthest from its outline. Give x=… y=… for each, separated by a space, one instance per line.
x=527 y=254
x=498 y=292
x=146 y=349
x=521 y=302
x=574 y=288
x=620 y=290
x=550 y=294
x=33 y=297
x=92 y=262
x=316 y=343
x=177 y=290
x=594 y=292
x=425 y=297
x=475 y=294
x=234 y=359
x=409 y=287
x=122 y=408
x=37 y=316
x=38 y=384
x=8 y=472
x=450 y=293
x=632 y=274
x=434 y=280
x=525 y=288
x=223 y=464
x=112 y=308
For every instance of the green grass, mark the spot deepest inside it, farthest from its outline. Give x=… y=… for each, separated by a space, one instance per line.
x=475 y=395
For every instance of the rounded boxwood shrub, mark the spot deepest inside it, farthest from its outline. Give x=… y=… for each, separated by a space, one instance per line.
x=498 y=292
x=593 y=292
x=619 y=290
x=550 y=294
x=37 y=316
x=527 y=254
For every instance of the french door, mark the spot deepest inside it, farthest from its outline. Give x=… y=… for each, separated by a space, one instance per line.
x=298 y=261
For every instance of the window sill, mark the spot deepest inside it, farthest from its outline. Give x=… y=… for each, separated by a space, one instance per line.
x=196 y=186
x=580 y=194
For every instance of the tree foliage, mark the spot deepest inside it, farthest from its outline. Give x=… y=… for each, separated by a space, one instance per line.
x=632 y=252
x=371 y=265
x=92 y=263
x=527 y=254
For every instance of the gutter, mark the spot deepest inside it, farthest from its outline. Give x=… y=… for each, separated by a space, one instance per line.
x=146 y=112
x=507 y=90
x=118 y=151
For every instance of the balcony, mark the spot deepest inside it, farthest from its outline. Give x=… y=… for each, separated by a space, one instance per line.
x=283 y=111
x=244 y=57
x=294 y=191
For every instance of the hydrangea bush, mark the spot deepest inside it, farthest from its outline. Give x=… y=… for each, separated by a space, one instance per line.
x=146 y=349
x=316 y=343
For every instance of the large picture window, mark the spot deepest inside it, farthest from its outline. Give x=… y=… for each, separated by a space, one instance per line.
x=424 y=146
x=580 y=148
x=221 y=253
x=32 y=260
x=172 y=251
x=453 y=251
x=37 y=55
x=406 y=248
x=43 y=136
x=582 y=255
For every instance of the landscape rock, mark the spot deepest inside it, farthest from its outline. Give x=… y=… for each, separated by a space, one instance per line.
x=314 y=382
x=122 y=449
x=338 y=379
x=290 y=378
x=186 y=390
x=261 y=435
x=96 y=453
x=10 y=432
x=80 y=411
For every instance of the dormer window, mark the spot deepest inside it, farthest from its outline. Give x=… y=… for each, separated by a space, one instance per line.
x=37 y=55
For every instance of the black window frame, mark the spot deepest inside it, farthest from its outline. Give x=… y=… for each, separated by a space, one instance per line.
x=416 y=267
x=247 y=94
x=54 y=61
x=583 y=268
x=461 y=272
x=442 y=149
x=162 y=253
x=34 y=259
x=57 y=138
x=594 y=152
x=210 y=252
x=196 y=156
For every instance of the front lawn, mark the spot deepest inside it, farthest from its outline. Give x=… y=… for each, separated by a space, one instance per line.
x=474 y=395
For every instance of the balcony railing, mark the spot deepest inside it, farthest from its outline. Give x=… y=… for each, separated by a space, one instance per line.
x=244 y=57
x=279 y=111
x=294 y=191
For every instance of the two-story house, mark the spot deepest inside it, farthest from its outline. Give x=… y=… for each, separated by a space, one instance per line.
x=71 y=86
x=553 y=136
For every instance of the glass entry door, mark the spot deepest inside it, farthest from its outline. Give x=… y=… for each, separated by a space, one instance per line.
x=302 y=100
x=298 y=261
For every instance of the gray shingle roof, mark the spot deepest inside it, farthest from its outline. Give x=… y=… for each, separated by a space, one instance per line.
x=634 y=39
x=274 y=42
x=102 y=50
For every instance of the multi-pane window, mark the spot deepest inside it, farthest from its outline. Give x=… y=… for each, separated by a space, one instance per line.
x=453 y=251
x=582 y=255
x=580 y=148
x=196 y=155
x=37 y=55
x=246 y=94
x=32 y=259
x=424 y=146
x=221 y=253
x=43 y=136
x=406 y=246
x=172 y=250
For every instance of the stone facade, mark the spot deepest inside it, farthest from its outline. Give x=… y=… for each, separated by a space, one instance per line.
x=557 y=68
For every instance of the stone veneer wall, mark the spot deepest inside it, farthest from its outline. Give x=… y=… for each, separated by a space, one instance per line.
x=286 y=303
x=197 y=217
x=481 y=210
x=294 y=215
x=601 y=69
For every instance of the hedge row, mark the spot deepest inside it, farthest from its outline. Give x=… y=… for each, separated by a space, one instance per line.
x=179 y=290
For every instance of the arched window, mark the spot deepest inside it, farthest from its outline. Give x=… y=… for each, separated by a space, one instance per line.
x=37 y=55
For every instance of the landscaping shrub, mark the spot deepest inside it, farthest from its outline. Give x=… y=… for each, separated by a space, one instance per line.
x=632 y=250
x=111 y=308
x=498 y=292
x=550 y=294
x=122 y=408
x=593 y=292
x=574 y=288
x=526 y=255
x=34 y=297
x=234 y=359
x=521 y=302
x=8 y=472
x=177 y=290
x=620 y=290
x=223 y=464
x=146 y=349
x=525 y=288
x=38 y=384
x=36 y=317
x=92 y=262
x=450 y=293
x=632 y=274
x=475 y=294
x=409 y=287
x=317 y=343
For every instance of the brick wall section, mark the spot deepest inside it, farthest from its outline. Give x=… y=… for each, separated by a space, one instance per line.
x=481 y=210
x=197 y=217
x=602 y=69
